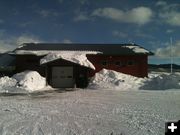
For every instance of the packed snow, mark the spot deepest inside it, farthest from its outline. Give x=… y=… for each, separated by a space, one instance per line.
x=109 y=79
x=88 y=112
x=27 y=81
x=72 y=56
x=6 y=82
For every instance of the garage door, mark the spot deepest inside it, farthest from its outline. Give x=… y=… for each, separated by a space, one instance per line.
x=62 y=77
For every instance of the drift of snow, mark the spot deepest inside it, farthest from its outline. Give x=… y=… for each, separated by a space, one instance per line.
x=27 y=81
x=137 y=49
x=6 y=82
x=161 y=82
x=72 y=56
x=109 y=79
x=30 y=80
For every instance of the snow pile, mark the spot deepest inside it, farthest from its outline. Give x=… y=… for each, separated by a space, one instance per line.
x=72 y=56
x=7 y=82
x=30 y=80
x=26 y=81
x=161 y=82
x=109 y=79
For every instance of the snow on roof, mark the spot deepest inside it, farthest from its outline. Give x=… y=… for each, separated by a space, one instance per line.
x=72 y=56
x=33 y=52
x=136 y=49
x=46 y=52
x=106 y=49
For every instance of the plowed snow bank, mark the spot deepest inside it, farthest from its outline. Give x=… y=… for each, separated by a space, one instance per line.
x=27 y=80
x=109 y=79
x=7 y=82
x=30 y=80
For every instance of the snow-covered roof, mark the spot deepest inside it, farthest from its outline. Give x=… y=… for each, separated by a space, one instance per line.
x=72 y=56
x=46 y=52
x=136 y=49
x=106 y=49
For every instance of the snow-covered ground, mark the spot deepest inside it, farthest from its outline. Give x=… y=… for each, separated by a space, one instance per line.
x=113 y=104
x=88 y=112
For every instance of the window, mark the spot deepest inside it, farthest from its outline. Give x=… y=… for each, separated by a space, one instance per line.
x=118 y=63
x=123 y=63
x=104 y=63
x=131 y=63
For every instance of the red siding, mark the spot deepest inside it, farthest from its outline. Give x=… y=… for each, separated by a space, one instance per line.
x=139 y=68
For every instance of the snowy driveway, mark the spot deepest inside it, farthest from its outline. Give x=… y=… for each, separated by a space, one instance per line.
x=88 y=112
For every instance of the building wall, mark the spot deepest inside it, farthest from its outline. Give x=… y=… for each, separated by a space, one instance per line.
x=135 y=65
x=80 y=73
x=29 y=62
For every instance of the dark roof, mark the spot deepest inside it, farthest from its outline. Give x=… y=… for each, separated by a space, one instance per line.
x=107 y=49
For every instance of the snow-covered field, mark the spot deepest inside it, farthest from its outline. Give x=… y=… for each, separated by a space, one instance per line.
x=88 y=112
x=113 y=104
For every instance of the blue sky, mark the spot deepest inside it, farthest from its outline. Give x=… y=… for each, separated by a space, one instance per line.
x=149 y=23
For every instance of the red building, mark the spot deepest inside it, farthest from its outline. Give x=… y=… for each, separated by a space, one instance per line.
x=61 y=72
x=135 y=65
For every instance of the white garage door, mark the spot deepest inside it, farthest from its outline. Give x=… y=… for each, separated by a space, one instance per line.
x=62 y=77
